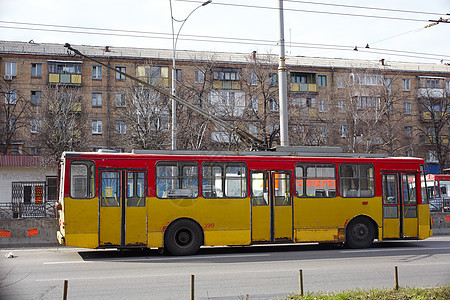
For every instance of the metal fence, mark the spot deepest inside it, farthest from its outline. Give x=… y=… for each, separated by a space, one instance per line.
x=27 y=210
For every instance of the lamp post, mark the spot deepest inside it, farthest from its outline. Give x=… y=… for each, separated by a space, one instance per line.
x=174 y=76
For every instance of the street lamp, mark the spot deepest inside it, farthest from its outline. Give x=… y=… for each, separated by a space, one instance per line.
x=174 y=78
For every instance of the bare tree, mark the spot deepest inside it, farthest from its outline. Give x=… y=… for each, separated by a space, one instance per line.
x=146 y=116
x=13 y=115
x=64 y=124
x=435 y=107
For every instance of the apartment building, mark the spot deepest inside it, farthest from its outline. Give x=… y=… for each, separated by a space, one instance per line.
x=362 y=106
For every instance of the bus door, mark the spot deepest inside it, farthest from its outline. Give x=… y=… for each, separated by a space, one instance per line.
x=123 y=214
x=399 y=205
x=271 y=206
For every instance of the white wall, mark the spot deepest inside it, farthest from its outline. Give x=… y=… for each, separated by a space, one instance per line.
x=8 y=175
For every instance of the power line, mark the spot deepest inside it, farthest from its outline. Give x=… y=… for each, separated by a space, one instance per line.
x=366 y=7
x=312 y=11
x=209 y=39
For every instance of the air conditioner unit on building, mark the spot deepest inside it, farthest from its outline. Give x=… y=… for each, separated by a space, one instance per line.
x=8 y=77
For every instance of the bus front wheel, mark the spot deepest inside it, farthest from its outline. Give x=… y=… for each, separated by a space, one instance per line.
x=360 y=233
x=183 y=237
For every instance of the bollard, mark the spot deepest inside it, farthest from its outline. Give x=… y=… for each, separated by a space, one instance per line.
x=66 y=283
x=396 y=277
x=300 y=281
x=192 y=286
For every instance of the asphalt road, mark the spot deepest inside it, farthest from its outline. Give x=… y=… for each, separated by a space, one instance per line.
x=261 y=272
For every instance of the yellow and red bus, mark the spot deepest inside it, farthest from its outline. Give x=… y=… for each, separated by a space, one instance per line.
x=181 y=201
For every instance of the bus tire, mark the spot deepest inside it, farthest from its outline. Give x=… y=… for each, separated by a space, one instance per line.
x=183 y=237
x=360 y=233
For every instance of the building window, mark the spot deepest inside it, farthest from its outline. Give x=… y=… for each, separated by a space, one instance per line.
x=252 y=79
x=226 y=74
x=96 y=127
x=322 y=80
x=35 y=125
x=64 y=68
x=432 y=157
x=11 y=68
x=179 y=74
x=407 y=108
x=121 y=100
x=254 y=104
x=15 y=149
x=273 y=79
x=36 y=97
x=10 y=97
x=368 y=102
x=323 y=105
x=96 y=99
x=447 y=86
x=408 y=131
x=273 y=105
x=388 y=84
x=33 y=150
x=343 y=131
x=406 y=84
x=36 y=70
x=199 y=76
x=118 y=75
x=409 y=153
x=97 y=72
x=432 y=83
x=121 y=127
x=340 y=82
x=341 y=106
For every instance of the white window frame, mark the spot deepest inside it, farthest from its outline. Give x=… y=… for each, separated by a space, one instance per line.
x=343 y=131
x=252 y=79
x=36 y=70
x=11 y=97
x=199 y=76
x=121 y=127
x=406 y=84
x=341 y=106
x=323 y=105
x=35 y=125
x=273 y=105
x=407 y=108
x=97 y=127
x=97 y=72
x=11 y=68
x=408 y=131
x=121 y=100
x=96 y=99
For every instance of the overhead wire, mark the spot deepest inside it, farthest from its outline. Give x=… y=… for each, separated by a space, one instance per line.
x=312 y=11
x=202 y=38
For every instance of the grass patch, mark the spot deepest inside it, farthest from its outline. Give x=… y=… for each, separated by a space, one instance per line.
x=424 y=293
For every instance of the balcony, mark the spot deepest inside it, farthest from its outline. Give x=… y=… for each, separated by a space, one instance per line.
x=64 y=72
x=302 y=82
x=227 y=78
x=158 y=76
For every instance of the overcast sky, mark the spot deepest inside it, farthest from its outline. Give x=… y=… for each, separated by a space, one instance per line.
x=253 y=25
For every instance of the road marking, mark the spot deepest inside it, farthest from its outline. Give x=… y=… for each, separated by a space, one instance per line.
x=391 y=249
x=155 y=259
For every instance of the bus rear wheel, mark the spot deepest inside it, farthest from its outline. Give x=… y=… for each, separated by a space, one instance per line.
x=183 y=237
x=360 y=233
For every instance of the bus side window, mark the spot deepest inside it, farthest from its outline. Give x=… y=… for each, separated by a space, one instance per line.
x=315 y=180
x=135 y=189
x=176 y=180
x=356 y=181
x=82 y=179
x=224 y=180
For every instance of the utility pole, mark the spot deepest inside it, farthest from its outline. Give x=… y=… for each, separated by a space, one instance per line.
x=282 y=83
